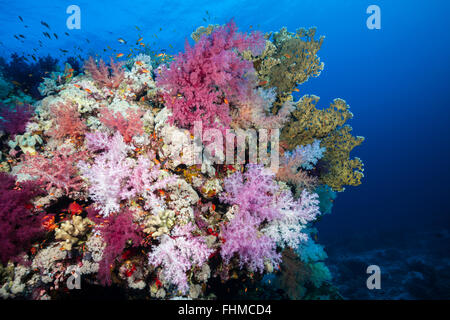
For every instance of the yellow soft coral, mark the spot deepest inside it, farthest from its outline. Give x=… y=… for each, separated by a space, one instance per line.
x=309 y=123
x=289 y=60
x=342 y=170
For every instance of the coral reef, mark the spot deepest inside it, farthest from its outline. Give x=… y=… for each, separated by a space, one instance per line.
x=106 y=178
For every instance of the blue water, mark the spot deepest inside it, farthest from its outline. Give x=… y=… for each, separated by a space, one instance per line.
x=395 y=80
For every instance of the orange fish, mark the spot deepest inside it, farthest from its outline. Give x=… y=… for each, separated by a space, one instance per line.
x=287 y=56
x=119 y=55
x=225 y=100
x=139 y=63
x=145 y=71
x=77 y=85
x=87 y=90
x=142 y=44
x=263 y=83
x=296 y=90
x=140 y=39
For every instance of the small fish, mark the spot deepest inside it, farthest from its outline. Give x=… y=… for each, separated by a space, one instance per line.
x=142 y=44
x=66 y=33
x=119 y=55
x=296 y=90
x=47 y=35
x=140 y=39
x=15 y=83
x=87 y=40
x=130 y=55
x=22 y=36
x=287 y=56
x=139 y=63
x=145 y=71
x=121 y=40
x=87 y=90
x=77 y=86
x=45 y=24
x=34 y=58
x=16 y=37
x=263 y=82
x=20 y=18
x=55 y=35
x=137 y=28
x=62 y=50
x=225 y=100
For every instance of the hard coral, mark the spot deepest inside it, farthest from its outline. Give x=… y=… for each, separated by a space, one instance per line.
x=107 y=76
x=202 y=82
x=18 y=224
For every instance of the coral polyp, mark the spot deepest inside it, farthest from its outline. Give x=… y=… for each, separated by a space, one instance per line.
x=106 y=176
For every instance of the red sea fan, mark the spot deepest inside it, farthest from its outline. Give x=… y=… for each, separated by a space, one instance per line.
x=128 y=127
x=14 y=121
x=67 y=120
x=107 y=76
x=202 y=82
x=117 y=232
x=18 y=225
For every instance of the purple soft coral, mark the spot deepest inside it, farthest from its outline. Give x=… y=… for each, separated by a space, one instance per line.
x=117 y=232
x=18 y=225
x=14 y=122
x=200 y=83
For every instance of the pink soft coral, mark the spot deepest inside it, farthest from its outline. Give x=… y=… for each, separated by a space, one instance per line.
x=59 y=171
x=129 y=127
x=178 y=253
x=110 y=77
x=202 y=82
x=253 y=193
x=67 y=120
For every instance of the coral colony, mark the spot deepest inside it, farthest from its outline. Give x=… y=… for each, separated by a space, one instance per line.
x=144 y=175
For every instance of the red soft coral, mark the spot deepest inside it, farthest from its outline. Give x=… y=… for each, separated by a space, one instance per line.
x=108 y=76
x=128 y=127
x=67 y=120
x=202 y=82
x=18 y=225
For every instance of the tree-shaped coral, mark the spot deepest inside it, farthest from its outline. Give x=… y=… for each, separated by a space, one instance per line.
x=202 y=82
x=18 y=224
x=108 y=76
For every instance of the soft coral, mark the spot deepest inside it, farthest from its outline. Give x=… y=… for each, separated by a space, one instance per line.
x=200 y=83
x=108 y=76
x=18 y=225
